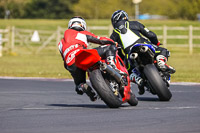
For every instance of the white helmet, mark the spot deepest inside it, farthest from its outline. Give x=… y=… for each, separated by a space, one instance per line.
x=77 y=23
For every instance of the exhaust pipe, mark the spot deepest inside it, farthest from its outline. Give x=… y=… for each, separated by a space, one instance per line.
x=133 y=56
x=112 y=72
x=144 y=49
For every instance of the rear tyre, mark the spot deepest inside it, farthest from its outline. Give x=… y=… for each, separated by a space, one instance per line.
x=103 y=89
x=157 y=83
x=133 y=100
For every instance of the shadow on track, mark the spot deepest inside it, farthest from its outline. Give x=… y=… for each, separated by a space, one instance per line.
x=79 y=105
x=148 y=99
x=99 y=106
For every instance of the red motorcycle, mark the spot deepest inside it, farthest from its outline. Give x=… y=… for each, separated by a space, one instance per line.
x=112 y=87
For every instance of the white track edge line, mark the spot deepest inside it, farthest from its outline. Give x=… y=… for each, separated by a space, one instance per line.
x=57 y=79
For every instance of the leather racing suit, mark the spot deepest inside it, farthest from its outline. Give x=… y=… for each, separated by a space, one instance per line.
x=75 y=40
x=128 y=33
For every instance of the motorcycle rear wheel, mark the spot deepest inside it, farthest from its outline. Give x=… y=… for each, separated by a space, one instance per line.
x=157 y=83
x=133 y=101
x=103 y=89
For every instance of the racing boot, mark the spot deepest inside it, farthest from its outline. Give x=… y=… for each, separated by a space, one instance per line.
x=161 y=62
x=85 y=88
x=111 y=62
x=135 y=78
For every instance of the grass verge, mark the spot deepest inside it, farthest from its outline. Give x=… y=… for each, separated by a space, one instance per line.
x=51 y=65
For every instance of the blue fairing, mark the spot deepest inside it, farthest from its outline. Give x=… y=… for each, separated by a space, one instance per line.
x=149 y=45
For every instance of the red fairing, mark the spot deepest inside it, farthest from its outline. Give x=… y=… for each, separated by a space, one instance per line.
x=85 y=58
x=127 y=89
x=118 y=64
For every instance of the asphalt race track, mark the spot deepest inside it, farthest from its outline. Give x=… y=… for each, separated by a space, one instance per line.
x=52 y=106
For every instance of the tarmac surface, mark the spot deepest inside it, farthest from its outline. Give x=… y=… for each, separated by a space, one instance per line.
x=52 y=106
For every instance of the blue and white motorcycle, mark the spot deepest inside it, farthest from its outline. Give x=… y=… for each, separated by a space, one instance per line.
x=142 y=56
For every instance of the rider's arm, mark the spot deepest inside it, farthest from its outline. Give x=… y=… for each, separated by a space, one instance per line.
x=60 y=46
x=149 y=34
x=98 y=40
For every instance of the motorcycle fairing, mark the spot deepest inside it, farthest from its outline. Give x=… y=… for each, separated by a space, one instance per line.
x=86 y=58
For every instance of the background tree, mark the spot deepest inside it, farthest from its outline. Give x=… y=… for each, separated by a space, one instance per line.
x=156 y=7
x=188 y=9
x=176 y=9
x=101 y=8
x=52 y=9
x=98 y=9
x=16 y=8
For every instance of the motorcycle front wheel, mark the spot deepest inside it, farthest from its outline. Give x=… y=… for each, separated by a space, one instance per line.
x=103 y=89
x=157 y=83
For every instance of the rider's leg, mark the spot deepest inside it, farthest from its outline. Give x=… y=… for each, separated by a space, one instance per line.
x=85 y=88
x=79 y=77
x=111 y=61
x=108 y=53
x=135 y=75
x=136 y=78
x=111 y=58
x=162 y=58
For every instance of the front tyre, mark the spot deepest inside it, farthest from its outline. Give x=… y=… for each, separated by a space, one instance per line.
x=103 y=89
x=157 y=83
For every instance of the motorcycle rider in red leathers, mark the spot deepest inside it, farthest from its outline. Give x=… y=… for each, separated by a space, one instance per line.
x=75 y=38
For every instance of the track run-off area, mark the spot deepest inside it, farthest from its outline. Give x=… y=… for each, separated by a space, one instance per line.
x=41 y=105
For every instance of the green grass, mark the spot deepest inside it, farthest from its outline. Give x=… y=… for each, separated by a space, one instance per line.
x=187 y=66
x=49 y=63
x=33 y=66
x=51 y=66
x=52 y=24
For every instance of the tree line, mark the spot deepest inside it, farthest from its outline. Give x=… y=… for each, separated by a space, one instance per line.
x=96 y=9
